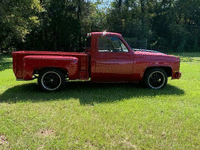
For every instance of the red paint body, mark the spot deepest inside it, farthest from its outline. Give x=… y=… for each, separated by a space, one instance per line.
x=127 y=66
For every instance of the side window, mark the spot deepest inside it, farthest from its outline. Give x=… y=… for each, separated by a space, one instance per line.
x=111 y=44
x=116 y=44
x=104 y=44
x=125 y=49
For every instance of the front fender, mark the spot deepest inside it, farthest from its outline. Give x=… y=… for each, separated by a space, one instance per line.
x=140 y=68
x=156 y=66
x=38 y=62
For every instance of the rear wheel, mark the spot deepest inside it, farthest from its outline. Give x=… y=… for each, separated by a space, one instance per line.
x=51 y=80
x=156 y=78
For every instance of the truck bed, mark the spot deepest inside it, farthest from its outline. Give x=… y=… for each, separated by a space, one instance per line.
x=18 y=61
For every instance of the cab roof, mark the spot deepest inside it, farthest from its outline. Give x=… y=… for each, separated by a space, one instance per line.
x=105 y=33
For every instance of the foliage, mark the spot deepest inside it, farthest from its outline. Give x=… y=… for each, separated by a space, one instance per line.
x=62 y=25
x=171 y=24
x=59 y=27
x=17 y=20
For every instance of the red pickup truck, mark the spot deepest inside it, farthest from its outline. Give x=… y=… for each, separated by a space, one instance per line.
x=107 y=58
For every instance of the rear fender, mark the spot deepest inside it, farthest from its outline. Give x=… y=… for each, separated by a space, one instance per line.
x=39 y=62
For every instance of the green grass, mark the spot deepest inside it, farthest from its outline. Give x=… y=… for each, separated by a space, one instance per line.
x=101 y=116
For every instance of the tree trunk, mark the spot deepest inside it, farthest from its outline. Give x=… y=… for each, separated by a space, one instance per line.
x=80 y=21
x=143 y=18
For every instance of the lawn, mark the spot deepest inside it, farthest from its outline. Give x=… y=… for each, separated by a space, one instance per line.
x=101 y=116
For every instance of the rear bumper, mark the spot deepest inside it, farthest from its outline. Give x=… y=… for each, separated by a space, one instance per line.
x=176 y=75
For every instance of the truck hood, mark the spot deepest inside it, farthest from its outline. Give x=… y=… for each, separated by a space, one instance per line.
x=146 y=50
x=155 y=55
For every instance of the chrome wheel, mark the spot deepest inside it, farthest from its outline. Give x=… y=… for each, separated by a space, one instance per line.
x=51 y=80
x=156 y=78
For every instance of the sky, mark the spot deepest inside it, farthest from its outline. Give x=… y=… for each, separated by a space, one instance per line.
x=106 y=3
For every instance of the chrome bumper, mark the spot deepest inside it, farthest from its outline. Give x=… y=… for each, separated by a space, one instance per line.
x=176 y=75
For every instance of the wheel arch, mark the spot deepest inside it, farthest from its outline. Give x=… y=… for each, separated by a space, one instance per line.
x=167 y=69
x=38 y=71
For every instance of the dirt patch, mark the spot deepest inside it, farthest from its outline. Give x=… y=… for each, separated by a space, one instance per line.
x=46 y=133
x=128 y=144
x=4 y=144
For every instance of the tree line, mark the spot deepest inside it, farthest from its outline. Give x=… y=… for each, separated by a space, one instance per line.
x=62 y=25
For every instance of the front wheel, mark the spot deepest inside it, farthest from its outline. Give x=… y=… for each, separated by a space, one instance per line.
x=51 y=80
x=156 y=78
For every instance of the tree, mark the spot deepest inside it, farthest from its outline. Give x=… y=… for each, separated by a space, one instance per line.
x=17 y=20
x=62 y=26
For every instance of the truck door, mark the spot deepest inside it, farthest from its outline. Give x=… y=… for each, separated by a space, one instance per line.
x=114 y=62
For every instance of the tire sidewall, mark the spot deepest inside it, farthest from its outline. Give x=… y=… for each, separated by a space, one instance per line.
x=152 y=71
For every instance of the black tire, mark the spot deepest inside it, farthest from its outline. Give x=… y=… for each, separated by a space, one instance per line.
x=51 y=80
x=155 y=78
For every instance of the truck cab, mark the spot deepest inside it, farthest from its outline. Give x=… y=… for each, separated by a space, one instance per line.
x=111 y=58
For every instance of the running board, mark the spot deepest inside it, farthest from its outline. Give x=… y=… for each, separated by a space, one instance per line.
x=77 y=80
